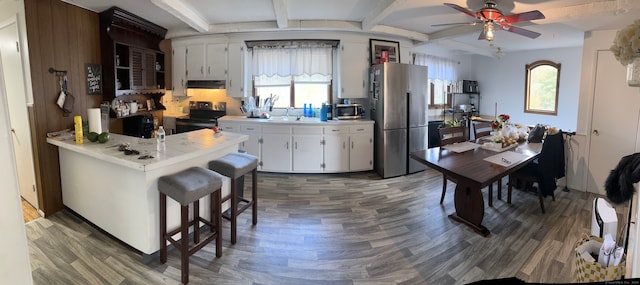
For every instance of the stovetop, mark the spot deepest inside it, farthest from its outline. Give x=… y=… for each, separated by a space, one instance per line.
x=204 y=111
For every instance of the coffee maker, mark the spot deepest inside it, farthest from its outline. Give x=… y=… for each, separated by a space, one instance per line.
x=138 y=126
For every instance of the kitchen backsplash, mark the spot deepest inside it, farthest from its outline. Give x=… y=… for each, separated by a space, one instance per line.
x=180 y=106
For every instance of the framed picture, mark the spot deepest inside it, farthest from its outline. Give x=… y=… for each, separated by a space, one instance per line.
x=384 y=51
x=94 y=79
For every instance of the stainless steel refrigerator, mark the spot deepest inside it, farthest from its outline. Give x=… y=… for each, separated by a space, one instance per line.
x=398 y=94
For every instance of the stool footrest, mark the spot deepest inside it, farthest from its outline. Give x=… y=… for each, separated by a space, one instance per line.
x=227 y=214
x=168 y=236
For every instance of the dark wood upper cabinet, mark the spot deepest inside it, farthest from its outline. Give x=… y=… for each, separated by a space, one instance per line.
x=131 y=57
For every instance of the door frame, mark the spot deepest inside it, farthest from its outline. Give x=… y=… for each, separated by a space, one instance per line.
x=5 y=24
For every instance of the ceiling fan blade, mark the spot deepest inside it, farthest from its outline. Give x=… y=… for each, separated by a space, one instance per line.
x=481 y=36
x=465 y=23
x=526 y=16
x=461 y=9
x=522 y=32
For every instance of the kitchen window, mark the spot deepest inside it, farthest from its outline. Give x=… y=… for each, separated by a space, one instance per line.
x=541 y=87
x=298 y=72
x=441 y=74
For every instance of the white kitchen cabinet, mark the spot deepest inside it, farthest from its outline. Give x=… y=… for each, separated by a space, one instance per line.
x=307 y=149
x=207 y=61
x=336 y=148
x=179 y=71
x=276 y=146
x=252 y=145
x=216 y=62
x=236 y=70
x=361 y=147
x=354 y=70
x=229 y=126
x=195 y=61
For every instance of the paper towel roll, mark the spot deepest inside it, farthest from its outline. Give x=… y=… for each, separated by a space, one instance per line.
x=95 y=122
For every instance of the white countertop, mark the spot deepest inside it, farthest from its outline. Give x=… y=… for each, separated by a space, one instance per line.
x=292 y=120
x=176 y=148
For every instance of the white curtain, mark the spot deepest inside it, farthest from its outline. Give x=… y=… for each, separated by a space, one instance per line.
x=439 y=67
x=310 y=62
x=442 y=73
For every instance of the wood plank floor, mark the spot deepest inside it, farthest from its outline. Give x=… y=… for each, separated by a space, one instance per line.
x=339 y=229
x=29 y=213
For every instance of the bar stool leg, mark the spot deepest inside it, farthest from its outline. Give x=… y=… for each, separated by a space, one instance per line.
x=216 y=219
x=184 y=245
x=163 y=228
x=254 y=195
x=234 y=209
x=196 y=221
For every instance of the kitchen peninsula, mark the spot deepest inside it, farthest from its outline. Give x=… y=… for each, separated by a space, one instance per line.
x=118 y=192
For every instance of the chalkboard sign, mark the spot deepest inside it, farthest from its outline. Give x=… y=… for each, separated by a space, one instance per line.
x=94 y=79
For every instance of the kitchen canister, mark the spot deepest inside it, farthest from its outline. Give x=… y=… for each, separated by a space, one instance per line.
x=323 y=112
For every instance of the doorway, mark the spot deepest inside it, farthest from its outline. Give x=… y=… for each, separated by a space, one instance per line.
x=614 y=120
x=14 y=88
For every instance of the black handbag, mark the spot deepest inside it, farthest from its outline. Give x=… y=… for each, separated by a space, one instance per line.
x=537 y=133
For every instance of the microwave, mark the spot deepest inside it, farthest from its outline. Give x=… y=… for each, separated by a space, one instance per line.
x=347 y=111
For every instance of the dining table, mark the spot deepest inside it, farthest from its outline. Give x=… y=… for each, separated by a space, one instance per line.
x=473 y=167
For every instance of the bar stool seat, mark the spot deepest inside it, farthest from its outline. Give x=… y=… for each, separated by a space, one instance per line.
x=235 y=166
x=186 y=187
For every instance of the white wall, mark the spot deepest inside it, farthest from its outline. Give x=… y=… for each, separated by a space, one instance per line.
x=14 y=256
x=502 y=80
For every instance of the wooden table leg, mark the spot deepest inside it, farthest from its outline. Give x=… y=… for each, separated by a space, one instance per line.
x=469 y=207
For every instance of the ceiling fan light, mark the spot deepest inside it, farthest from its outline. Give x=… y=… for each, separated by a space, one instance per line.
x=488 y=31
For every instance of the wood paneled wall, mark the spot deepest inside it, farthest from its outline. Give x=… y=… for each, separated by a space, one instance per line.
x=64 y=37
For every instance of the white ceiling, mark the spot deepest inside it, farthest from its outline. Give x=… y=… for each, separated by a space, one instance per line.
x=564 y=26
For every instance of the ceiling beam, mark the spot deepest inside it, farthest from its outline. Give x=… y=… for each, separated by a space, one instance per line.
x=185 y=13
x=383 y=10
x=467 y=48
x=413 y=35
x=281 y=11
x=455 y=31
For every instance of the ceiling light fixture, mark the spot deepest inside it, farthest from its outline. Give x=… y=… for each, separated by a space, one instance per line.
x=488 y=31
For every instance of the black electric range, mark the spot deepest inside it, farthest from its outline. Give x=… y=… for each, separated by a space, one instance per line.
x=202 y=115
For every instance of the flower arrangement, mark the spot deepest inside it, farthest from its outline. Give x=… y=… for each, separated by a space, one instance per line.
x=626 y=45
x=500 y=122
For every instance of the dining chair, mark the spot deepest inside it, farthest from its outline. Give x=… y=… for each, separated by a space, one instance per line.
x=481 y=129
x=544 y=171
x=450 y=135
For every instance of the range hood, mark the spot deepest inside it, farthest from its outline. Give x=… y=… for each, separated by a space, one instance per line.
x=206 y=84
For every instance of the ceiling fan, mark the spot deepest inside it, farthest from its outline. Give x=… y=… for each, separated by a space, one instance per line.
x=490 y=16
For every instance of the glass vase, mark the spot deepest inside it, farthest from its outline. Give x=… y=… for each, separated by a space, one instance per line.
x=633 y=73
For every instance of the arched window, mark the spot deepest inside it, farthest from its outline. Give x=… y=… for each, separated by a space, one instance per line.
x=541 y=87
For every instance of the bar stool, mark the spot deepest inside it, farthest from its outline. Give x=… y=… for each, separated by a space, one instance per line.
x=186 y=187
x=234 y=166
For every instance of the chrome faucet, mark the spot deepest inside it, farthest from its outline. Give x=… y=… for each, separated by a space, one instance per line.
x=289 y=108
